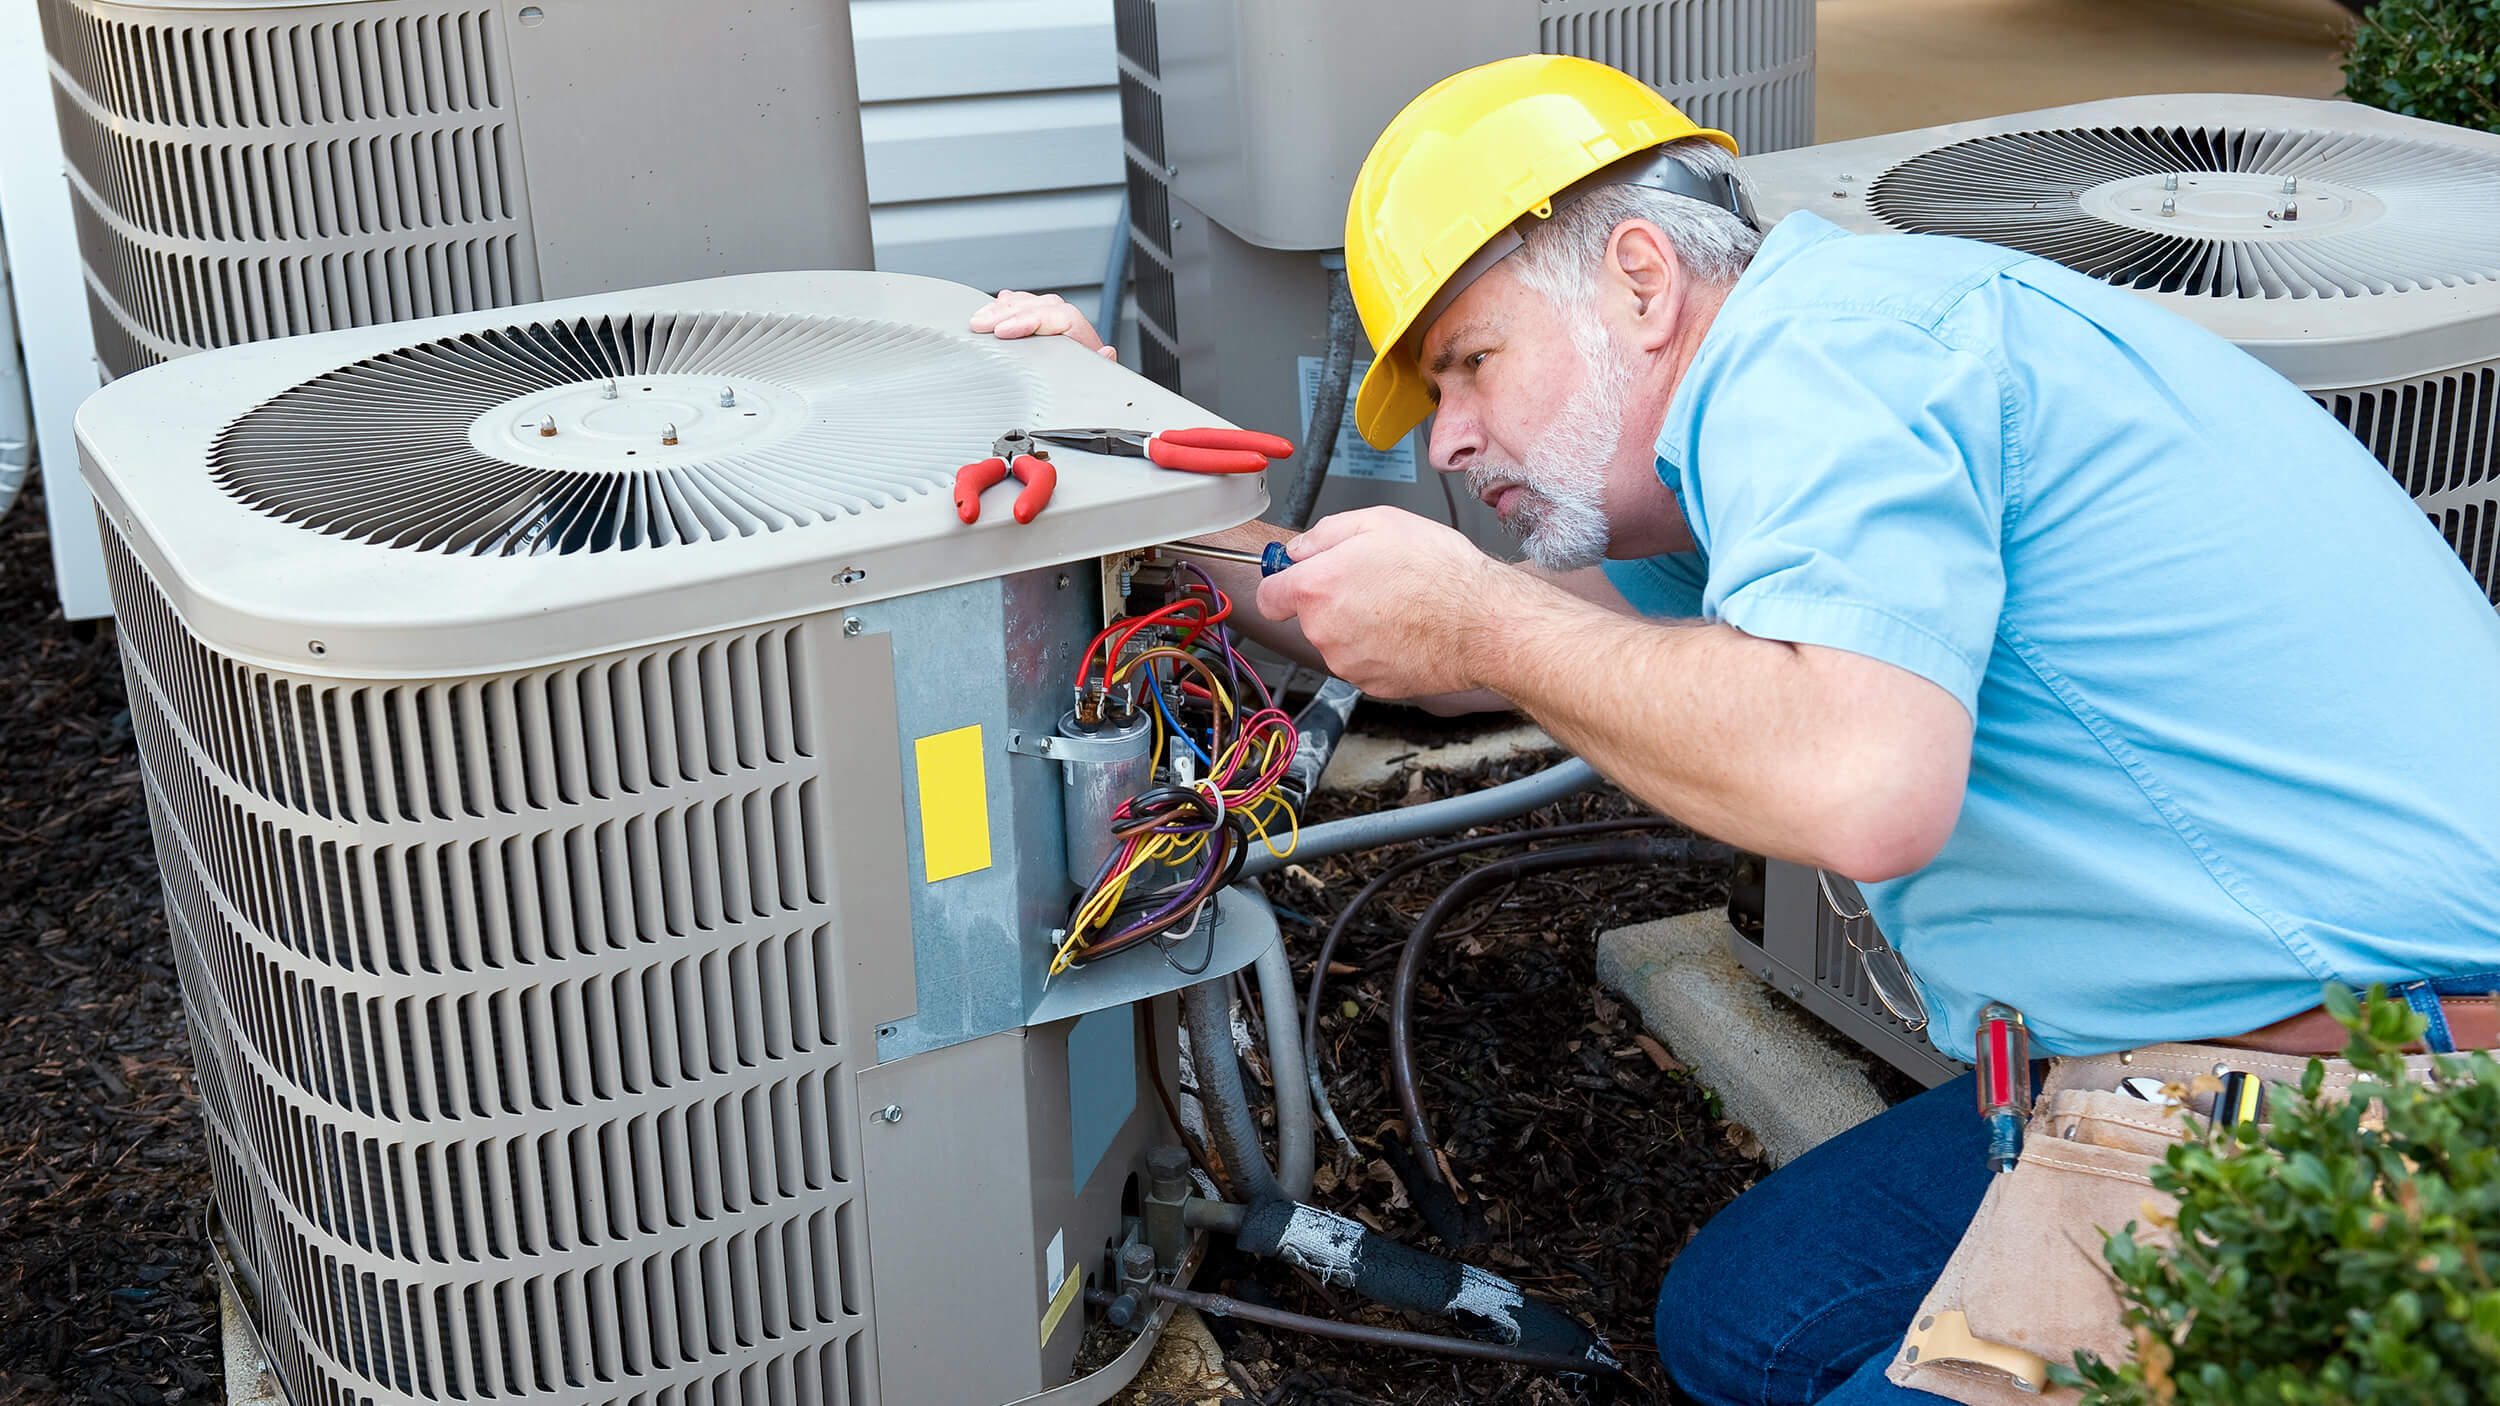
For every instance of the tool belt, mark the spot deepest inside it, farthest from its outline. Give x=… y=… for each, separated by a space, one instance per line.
x=2028 y=1286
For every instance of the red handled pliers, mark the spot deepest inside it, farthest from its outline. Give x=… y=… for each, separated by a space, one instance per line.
x=1199 y=451
x=1012 y=453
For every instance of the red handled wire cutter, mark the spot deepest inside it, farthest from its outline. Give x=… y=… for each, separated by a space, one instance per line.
x=1198 y=451
x=1018 y=452
x=1011 y=453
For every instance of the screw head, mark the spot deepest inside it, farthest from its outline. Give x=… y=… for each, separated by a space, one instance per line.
x=891 y=1113
x=315 y=647
x=851 y=625
x=2169 y=206
x=547 y=427
x=1062 y=582
x=2170 y=182
x=668 y=434
x=608 y=391
x=728 y=395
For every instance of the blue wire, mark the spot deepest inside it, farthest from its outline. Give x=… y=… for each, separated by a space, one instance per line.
x=1155 y=686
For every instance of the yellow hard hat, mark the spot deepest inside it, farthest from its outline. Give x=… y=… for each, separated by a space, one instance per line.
x=1451 y=175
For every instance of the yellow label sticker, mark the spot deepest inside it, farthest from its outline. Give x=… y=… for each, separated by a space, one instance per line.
x=954 y=803
x=1059 y=1303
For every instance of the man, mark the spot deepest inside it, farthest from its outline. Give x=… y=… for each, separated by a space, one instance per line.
x=2132 y=690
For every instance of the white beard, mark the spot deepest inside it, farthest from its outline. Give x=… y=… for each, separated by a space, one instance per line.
x=1559 y=514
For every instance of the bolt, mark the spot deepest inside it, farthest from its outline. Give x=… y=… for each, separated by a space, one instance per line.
x=2221 y=1069
x=2170 y=182
x=668 y=434
x=1123 y=1311
x=2290 y=213
x=2126 y=1056
x=608 y=391
x=2291 y=185
x=891 y=1113
x=1126 y=573
x=1176 y=224
x=316 y=647
x=1062 y=582
x=2169 y=206
x=547 y=427
x=1165 y=1161
x=728 y=395
x=1137 y=1262
x=851 y=625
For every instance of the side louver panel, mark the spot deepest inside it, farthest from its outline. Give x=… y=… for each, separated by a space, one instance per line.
x=516 y=1001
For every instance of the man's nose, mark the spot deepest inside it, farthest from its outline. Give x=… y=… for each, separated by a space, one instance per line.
x=1456 y=440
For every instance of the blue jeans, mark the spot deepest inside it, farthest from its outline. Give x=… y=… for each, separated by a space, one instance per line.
x=1798 y=1293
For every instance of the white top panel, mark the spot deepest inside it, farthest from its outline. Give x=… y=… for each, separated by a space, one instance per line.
x=2381 y=212
x=834 y=492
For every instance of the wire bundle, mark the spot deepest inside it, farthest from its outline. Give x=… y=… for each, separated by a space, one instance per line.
x=1218 y=773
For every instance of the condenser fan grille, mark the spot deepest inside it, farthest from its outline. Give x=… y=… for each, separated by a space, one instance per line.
x=623 y=432
x=2202 y=210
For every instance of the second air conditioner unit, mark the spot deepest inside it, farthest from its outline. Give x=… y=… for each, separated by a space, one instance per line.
x=2355 y=251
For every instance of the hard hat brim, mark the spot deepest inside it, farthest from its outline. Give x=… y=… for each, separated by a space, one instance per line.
x=1394 y=399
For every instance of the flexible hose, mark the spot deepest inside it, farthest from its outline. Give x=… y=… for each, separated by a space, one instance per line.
x=1223 y=1306
x=1207 y=1009
x=1648 y=849
x=1344 y=920
x=1297 y=1150
x=1319 y=437
x=1490 y=806
x=1114 y=279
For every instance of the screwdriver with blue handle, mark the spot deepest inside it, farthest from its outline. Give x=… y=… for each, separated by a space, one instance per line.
x=1269 y=562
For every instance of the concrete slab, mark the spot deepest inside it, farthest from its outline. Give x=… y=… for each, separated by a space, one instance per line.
x=1890 y=65
x=1777 y=1071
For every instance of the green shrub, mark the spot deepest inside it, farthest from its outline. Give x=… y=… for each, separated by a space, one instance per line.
x=2329 y=1258
x=2438 y=59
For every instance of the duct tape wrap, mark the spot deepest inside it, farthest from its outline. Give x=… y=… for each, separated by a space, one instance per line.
x=1346 y=1252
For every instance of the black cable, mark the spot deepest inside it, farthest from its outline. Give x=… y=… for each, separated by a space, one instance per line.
x=1345 y=916
x=1648 y=849
x=1223 y=1306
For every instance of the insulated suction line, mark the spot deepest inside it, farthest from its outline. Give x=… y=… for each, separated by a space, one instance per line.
x=388 y=450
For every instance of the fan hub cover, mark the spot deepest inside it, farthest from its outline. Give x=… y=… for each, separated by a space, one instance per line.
x=2231 y=205
x=627 y=423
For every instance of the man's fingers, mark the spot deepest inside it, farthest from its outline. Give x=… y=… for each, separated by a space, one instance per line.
x=1326 y=533
x=1280 y=599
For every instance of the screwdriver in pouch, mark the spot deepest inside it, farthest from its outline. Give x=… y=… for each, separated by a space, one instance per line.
x=2004 y=1082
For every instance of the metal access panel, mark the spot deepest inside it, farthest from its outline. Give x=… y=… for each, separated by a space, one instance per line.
x=1804 y=953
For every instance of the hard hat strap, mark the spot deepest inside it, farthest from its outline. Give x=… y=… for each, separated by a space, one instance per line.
x=1651 y=169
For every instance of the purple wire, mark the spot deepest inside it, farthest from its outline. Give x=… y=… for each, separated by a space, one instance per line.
x=1223 y=635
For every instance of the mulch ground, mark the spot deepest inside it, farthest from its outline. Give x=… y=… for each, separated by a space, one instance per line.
x=105 y=1294
x=1587 y=1162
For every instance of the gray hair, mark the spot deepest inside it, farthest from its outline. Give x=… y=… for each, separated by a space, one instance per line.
x=1561 y=259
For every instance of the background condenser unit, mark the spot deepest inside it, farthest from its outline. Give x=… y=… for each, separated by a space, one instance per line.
x=240 y=172
x=1245 y=121
x=2355 y=251
x=609 y=827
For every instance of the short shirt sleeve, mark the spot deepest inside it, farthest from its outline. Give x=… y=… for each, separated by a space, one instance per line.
x=1668 y=586
x=1850 y=472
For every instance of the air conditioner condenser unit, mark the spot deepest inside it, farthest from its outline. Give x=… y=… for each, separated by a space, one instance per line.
x=2355 y=251
x=612 y=832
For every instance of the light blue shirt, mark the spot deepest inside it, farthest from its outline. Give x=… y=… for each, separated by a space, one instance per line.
x=2236 y=704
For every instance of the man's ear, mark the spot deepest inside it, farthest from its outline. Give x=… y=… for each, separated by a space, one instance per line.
x=1642 y=270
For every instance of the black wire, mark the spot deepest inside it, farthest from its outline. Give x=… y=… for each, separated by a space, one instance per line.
x=1213 y=916
x=1647 y=849
x=1345 y=916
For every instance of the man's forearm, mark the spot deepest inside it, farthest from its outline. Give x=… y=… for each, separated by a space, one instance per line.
x=1760 y=743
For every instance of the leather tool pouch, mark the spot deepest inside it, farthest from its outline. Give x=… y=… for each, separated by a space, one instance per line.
x=2028 y=1287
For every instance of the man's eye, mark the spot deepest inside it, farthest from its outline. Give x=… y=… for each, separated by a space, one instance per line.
x=1475 y=360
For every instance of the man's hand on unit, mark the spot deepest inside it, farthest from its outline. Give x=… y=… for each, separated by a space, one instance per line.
x=1012 y=314
x=1389 y=599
